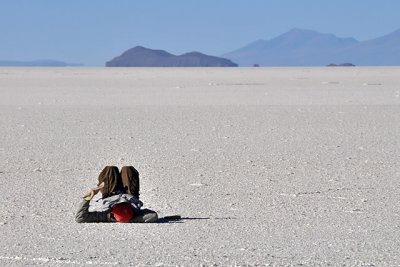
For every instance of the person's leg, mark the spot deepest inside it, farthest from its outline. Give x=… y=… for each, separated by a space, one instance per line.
x=130 y=180
x=145 y=216
x=110 y=176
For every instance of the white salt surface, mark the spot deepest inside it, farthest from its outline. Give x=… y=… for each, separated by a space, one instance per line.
x=267 y=166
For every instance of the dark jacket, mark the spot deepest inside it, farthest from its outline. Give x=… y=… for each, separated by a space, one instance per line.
x=102 y=213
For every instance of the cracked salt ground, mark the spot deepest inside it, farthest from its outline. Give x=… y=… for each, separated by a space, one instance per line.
x=305 y=175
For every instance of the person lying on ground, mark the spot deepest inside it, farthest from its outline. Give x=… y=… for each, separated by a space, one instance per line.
x=120 y=199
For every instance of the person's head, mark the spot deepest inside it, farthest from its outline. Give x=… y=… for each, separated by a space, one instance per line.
x=122 y=212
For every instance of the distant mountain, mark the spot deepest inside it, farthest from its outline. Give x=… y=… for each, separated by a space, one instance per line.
x=143 y=57
x=299 y=47
x=37 y=63
x=341 y=65
x=382 y=51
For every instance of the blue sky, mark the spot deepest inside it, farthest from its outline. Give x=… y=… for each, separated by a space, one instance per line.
x=92 y=32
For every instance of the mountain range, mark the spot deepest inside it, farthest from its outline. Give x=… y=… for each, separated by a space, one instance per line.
x=297 y=47
x=300 y=47
x=37 y=63
x=144 y=57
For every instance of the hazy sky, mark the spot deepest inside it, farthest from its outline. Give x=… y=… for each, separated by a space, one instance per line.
x=92 y=32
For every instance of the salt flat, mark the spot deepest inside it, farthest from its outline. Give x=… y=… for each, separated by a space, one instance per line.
x=267 y=166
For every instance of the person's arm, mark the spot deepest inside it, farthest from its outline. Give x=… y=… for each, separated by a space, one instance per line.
x=83 y=214
x=93 y=191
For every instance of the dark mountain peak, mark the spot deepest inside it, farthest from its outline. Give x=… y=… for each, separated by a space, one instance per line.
x=194 y=54
x=140 y=50
x=202 y=60
x=140 y=56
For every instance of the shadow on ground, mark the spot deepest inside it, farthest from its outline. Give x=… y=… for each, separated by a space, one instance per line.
x=180 y=219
